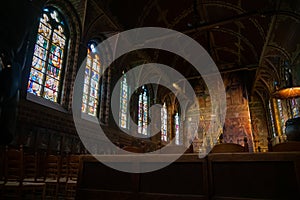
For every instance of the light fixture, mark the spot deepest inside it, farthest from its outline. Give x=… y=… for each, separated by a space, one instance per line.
x=286 y=89
x=289 y=90
x=287 y=93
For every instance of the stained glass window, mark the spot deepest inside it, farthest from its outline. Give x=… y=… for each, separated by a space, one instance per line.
x=177 y=129
x=295 y=108
x=49 y=51
x=281 y=115
x=164 y=122
x=91 y=87
x=123 y=102
x=272 y=119
x=143 y=112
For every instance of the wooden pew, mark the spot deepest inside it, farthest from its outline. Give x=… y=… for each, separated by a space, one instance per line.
x=287 y=146
x=238 y=176
x=185 y=179
x=254 y=176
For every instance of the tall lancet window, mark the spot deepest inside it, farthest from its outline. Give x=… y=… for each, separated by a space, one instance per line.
x=272 y=119
x=143 y=111
x=47 y=67
x=91 y=89
x=281 y=115
x=124 y=90
x=295 y=108
x=164 y=123
x=178 y=140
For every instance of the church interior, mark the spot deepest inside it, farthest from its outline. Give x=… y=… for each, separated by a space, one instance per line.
x=66 y=72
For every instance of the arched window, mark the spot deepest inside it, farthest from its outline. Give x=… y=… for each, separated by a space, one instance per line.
x=91 y=89
x=164 y=123
x=295 y=108
x=178 y=139
x=47 y=67
x=143 y=112
x=124 y=90
x=272 y=119
x=281 y=115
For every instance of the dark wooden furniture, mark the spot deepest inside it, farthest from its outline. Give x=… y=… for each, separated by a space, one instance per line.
x=254 y=176
x=185 y=179
x=287 y=146
x=217 y=176
x=227 y=148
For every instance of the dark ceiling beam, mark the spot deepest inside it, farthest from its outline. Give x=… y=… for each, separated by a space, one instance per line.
x=239 y=17
x=281 y=50
x=237 y=9
x=93 y=23
x=214 y=25
x=238 y=35
x=206 y=26
x=106 y=14
x=229 y=70
x=270 y=30
x=265 y=85
x=261 y=97
x=209 y=35
x=239 y=68
x=226 y=49
x=268 y=61
x=261 y=91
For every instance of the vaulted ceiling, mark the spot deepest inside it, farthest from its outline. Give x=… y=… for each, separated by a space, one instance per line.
x=252 y=37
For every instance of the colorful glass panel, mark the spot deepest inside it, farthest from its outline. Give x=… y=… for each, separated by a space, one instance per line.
x=140 y=112
x=143 y=112
x=47 y=62
x=164 y=121
x=40 y=52
x=272 y=119
x=50 y=94
x=295 y=108
x=123 y=102
x=55 y=56
x=42 y=41
x=53 y=71
x=91 y=87
x=281 y=115
x=38 y=64
x=177 y=129
x=145 y=117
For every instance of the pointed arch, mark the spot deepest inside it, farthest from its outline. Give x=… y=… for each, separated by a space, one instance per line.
x=164 y=123
x=49 y=56
x=143 y=111
x=91 y=88
x=124 y=99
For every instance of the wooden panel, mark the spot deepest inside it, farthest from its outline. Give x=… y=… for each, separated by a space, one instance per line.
x=254 y=176
x=218 y=176
x=89 y=194
x=287 y=146
x=162 y=196
x=227 y=148
x=177 y=178
x=188 y=172
x=98 y=176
